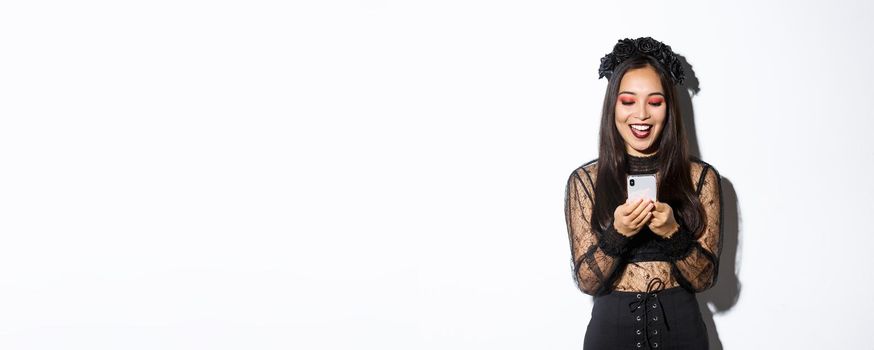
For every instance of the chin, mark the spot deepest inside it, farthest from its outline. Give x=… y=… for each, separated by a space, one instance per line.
x=645 y=149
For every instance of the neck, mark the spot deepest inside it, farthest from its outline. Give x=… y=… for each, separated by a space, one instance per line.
x=642 y=164
x=631 y=151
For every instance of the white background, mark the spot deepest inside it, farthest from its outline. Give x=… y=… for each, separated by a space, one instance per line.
x=390 y=174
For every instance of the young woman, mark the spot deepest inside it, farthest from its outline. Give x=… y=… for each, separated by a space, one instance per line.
x=642 y=260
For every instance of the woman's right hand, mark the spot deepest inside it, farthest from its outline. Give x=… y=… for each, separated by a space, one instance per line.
x=630 y=217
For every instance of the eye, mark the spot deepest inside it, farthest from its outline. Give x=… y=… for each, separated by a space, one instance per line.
x=655 y=104
x=656 y=101
x=626 y=101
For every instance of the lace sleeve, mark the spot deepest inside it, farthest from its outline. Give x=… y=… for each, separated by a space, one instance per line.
x=696 y=267
x=595 y=256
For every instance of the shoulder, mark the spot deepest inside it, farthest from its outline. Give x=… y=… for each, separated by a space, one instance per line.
x=589 y=168
x=586 y=172
x=702 y=172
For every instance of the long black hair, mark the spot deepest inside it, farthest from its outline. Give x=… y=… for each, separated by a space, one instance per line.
x=675 y=183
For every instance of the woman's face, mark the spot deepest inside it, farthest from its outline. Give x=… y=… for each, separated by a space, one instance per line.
x=640 y=110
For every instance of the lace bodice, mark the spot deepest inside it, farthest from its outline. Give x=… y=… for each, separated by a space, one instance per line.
x=605 y=261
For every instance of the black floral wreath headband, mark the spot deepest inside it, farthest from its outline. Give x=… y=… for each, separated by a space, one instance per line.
x=627 y=48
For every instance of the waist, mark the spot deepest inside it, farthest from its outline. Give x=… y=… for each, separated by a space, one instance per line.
x=623 y=294
x=637 y=275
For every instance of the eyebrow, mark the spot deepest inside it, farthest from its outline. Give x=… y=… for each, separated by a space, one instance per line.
x=652 y=93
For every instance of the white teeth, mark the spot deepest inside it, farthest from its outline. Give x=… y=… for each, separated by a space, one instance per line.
x=641 y=127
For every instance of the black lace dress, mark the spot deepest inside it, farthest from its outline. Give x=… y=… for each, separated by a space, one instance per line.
x=644 y=286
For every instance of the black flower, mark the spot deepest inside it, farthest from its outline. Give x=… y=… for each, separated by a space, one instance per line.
x=624 y=49
x=606 y=69
x=648 y=45
x=663 y=55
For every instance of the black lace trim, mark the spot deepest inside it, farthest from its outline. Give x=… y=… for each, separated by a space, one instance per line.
x=642 y=165
x=679 y=245
x=612 y=242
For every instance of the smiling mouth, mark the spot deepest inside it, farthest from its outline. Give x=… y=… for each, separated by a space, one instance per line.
x=640 y=131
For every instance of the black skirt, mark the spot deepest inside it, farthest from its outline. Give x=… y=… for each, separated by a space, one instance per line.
x=660 y=319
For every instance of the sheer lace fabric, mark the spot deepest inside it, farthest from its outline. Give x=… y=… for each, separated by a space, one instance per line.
x=603 y=261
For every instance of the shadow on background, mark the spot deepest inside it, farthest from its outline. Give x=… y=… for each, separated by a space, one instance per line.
x=725 y=294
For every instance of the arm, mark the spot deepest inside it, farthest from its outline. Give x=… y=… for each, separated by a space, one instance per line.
x=596 y=256
x=695 y=260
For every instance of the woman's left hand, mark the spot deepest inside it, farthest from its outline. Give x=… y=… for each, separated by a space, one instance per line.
x=662 y=222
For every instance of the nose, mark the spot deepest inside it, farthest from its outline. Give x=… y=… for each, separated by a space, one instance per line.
x=643 y=115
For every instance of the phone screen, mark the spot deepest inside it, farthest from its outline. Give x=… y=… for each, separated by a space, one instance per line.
x=641 y=186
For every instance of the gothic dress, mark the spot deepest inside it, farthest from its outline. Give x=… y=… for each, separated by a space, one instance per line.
x=644 y=286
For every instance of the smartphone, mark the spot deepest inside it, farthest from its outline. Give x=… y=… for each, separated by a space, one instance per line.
x=641 y=186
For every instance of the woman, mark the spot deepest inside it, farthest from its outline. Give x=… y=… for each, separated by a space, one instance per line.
x=643 y=261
